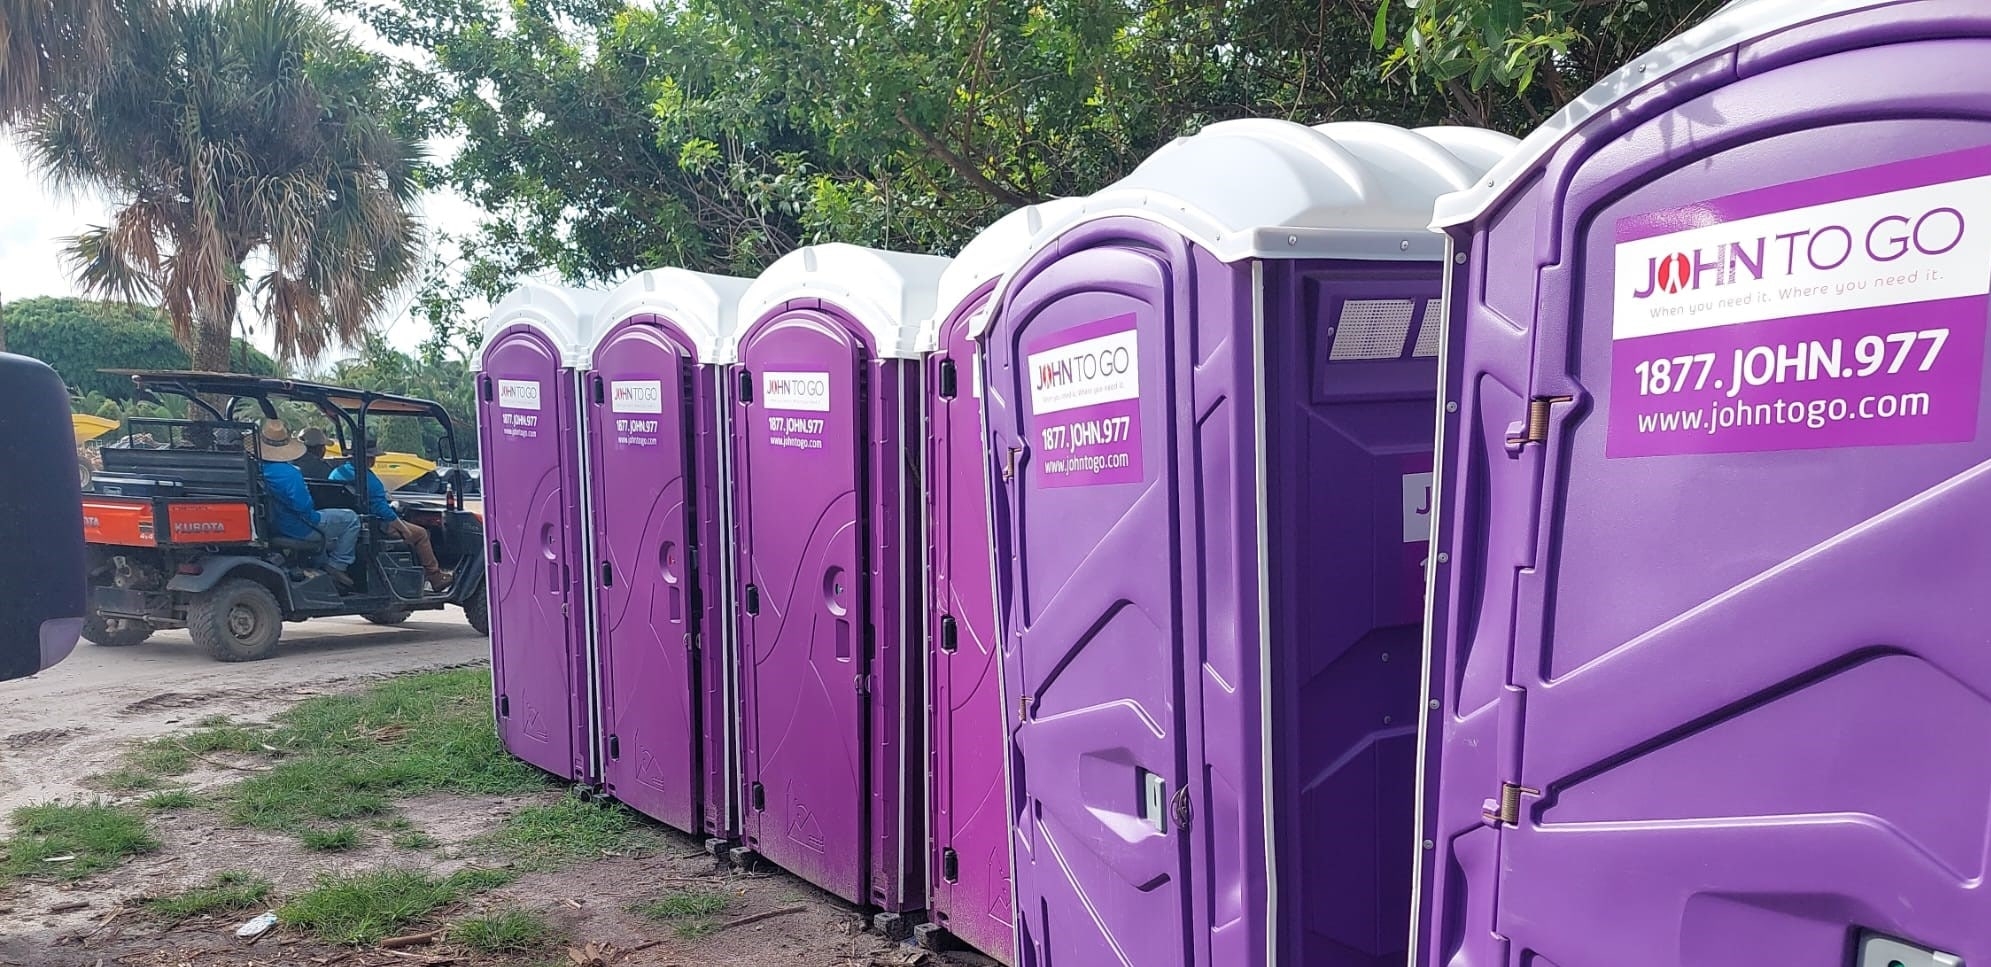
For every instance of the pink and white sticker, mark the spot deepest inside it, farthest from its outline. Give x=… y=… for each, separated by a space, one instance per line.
x=1842 y=311
x=1085 y=404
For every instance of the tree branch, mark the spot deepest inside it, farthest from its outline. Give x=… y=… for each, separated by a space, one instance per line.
x=968 y=172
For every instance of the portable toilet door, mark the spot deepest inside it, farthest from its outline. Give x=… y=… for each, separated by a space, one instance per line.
x=1708 y=646
x=1209 y=400
x=651 y=404
x=968 y=881
x=530 y=454
x=825 y=452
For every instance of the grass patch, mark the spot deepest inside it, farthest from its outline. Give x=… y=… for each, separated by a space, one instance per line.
x=569 y=829
x=505 y=932
x=160 y=757
x=330 y=840
x=346 y=757
x=689 y=913
x=361 y=908
x=126 y=779
x=171 y=799
x=414 y=839
x=229 y=892
x=72 y=840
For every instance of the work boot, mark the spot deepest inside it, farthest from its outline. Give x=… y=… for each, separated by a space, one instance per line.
x=340 y=578
x=439 y=580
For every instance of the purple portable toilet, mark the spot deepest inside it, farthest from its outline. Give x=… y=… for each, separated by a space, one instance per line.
x=1209 y=400
x=1708 y=667
x=826 y=393
x=656 y=499
x=530 y=451
x=968 y=882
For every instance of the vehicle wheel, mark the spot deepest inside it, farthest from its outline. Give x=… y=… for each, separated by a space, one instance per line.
x=114 y=632
x=477 y=610
x=238 y=620
x=391 y=616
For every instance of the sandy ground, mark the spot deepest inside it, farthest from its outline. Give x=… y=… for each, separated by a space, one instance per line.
x=72 y=720
x=76 y=719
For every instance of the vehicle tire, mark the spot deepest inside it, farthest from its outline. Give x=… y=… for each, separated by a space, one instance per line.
x=477 y=610
x=236 y=620
x=391 y=616
x=114 y=632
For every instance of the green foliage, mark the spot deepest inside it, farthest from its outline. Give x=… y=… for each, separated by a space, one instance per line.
x=72 y=840
x=171 y=799
x=570 y=829
x=505 y=932
x=1497 y=56
x=431 y=376
x=690 y=912
x=247 y=151
x=227 y=892
x=330 y=840
x=604 y=136
x=346 y=757
x=79 y=337
x=362 y=908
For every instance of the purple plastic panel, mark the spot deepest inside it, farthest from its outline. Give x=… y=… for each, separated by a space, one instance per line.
x=718 y=710
x=1100 y=606
x=1134 y=606
x=539 y=657
x=828 y=602
x=1751 y=670
x=643 y=421
x=969 y=815
x=1348 y=418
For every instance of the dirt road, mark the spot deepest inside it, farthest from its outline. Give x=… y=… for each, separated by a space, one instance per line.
x=72 y=720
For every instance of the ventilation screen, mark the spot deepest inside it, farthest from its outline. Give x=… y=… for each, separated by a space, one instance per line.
x=1371 y=329
x=1427 y=331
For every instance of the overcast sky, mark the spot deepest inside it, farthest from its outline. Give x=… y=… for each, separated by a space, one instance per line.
x=35 y=219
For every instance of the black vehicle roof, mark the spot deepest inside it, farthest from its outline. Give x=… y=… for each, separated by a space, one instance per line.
x=237 y=384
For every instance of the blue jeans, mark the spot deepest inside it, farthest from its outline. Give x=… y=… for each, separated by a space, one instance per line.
x=341 y=529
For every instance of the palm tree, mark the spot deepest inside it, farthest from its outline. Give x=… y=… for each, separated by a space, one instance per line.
x=52 y=47
x=240 y=137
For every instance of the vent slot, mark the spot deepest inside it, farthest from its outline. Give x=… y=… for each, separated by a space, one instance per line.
x=1428 y=330
x=1371 y=329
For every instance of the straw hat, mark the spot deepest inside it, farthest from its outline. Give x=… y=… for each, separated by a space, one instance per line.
x=274 y=442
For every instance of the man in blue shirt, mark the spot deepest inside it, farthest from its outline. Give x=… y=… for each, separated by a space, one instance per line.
x=377 y=504
x=291 y=509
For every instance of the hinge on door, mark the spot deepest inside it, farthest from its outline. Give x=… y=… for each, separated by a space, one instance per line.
x=1181 y=808
x=1009 y=463
x=614 y=747
x=758 y=795
x=746 y=386
x=1023 y=707
x=607 y=575
x=862 y=683
x=950 y=865
x=504 y=706
x=497 y=553
x=486 y=384
x=1508 y=812
x=752 y=600
x=1537 y=430
x=598 y=394
x=950 y=634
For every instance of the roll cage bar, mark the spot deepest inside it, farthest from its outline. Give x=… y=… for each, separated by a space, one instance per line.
x=348 y=408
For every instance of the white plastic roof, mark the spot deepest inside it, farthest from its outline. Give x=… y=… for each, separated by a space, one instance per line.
x=566 y=316
x=1740 y=22
x=1265 y=188
x=991 y=255
x=890 y=294
x=705 y=306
